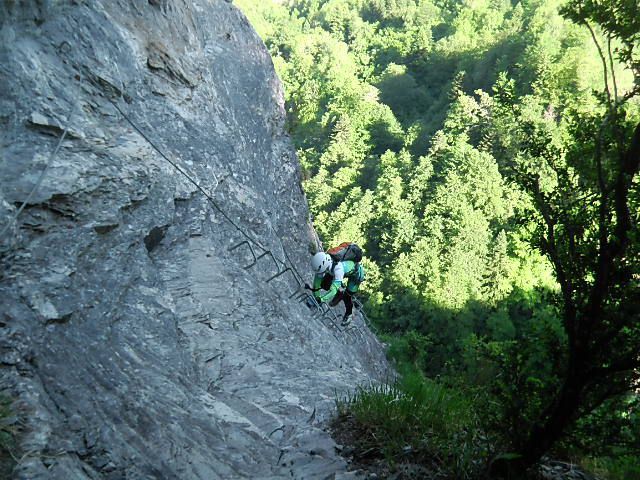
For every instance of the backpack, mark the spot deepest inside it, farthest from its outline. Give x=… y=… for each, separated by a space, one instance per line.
x=345 y=251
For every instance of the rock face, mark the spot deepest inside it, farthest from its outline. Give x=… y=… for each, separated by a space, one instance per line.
x=133 y=342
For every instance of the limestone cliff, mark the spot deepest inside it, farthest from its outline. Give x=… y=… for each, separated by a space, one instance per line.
x=132 y=339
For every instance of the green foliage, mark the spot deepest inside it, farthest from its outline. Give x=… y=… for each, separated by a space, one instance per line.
x=608 y=433
x=618 y=19
x=419 y=419
x=365 y=79
x=412 y=348
x=441 y=136
x=528 y=376
x=620 y=467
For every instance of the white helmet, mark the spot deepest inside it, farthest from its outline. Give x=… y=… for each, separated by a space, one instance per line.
x=321 y=262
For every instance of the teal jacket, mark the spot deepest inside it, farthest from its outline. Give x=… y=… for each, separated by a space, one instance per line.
x=353 y=272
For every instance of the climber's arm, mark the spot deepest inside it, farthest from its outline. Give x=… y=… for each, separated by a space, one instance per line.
x=317 y=281
x=335 y=286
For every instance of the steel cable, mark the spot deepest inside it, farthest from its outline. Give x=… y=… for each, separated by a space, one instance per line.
x=43 y=173
x=287 y=262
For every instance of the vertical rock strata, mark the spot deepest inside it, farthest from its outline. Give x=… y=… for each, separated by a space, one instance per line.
x=133 y=341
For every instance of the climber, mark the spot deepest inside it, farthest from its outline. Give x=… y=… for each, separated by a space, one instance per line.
x=329 y=275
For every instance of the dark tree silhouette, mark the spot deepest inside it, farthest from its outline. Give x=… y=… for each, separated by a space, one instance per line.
x=588 y=228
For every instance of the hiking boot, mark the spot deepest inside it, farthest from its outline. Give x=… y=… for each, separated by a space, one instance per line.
x=346 y=320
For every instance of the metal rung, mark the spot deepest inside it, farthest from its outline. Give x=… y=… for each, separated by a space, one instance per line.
x=333 y=314
x=323 y=310
x=320 y=311
x=298 y=279
x=298 y=283
x=300 y=296
x=278 y=274
x=253 y=253
x=268 y=252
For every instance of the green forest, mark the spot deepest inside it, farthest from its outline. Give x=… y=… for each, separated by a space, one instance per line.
x=484 y=154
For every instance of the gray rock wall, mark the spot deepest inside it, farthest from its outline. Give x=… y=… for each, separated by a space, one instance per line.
x=133 y=341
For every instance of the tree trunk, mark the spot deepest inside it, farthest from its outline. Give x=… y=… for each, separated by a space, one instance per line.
x=543 y=436
x=562 y=411
x=557 y=418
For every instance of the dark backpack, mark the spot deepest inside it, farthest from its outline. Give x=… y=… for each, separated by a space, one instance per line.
x=345 y=251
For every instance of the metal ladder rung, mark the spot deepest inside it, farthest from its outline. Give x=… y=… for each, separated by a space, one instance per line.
x=268 y=252
x=323 y=310
x=253 y=253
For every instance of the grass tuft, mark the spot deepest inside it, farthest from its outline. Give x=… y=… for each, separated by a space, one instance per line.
x=415 y=420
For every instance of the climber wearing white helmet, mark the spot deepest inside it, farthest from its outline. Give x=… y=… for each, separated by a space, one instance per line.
x=329 y=275
x=321 y=262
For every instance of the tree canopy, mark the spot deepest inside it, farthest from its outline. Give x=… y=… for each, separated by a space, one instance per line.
x=485 y=156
